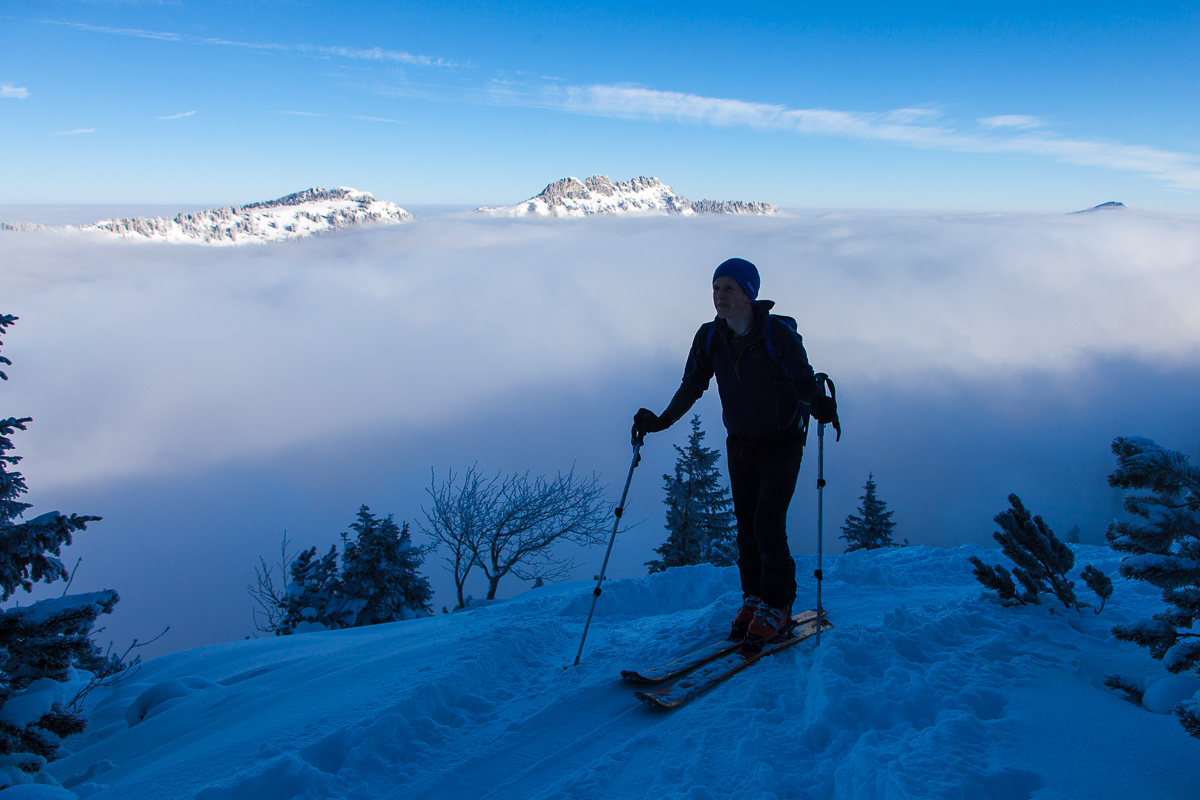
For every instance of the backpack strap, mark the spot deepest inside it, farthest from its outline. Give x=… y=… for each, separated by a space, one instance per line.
x=771 y=351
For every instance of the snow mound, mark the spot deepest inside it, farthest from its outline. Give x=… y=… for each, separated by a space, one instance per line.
x=161 y=696
x=571 y=197
x=1164 y=693
x=295 y=216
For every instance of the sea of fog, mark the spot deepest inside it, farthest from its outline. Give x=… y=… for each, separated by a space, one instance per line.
x=206 y=400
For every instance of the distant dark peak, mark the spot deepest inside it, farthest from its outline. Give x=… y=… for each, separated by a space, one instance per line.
x=1109 y=206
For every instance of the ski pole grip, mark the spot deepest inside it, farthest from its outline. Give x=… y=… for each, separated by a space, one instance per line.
x=818 y=574
x=596 y=592
x=820 y=485
x=618 y=511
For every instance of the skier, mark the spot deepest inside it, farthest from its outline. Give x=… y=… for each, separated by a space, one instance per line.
x=767 y=390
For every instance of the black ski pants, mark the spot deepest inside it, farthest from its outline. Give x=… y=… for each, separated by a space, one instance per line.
x=762 y=479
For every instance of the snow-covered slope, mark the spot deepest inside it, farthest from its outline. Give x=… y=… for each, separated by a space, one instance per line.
x=571 y=197
x=927 y=688
x=292 y=217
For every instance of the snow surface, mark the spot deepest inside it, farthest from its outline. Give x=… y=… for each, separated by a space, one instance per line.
x=292 y=217
x=927 y=688
x=571 y=197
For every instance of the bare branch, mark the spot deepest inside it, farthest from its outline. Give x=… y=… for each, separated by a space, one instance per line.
x=513 y=525
x=266 y=595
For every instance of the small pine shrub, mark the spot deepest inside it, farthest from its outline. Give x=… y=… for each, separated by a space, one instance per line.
x=1042 y=563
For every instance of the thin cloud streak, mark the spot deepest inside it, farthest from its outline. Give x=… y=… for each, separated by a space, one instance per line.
x=1011 y=121
x=377 y=119
x=75 y=132
x=356 y=53
x=1180 y=170
x=302 y=113
x=17 y=92
x=178 y=116
x=135 y=32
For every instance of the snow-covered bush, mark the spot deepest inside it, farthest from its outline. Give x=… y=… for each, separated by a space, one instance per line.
x=1164 y=551
x=312 y=599
x=41 y=645
x=378 y=581
x=1042 y=563
x=873 y=526
x=700 y=522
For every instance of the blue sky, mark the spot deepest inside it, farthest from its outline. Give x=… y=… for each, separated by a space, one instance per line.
x=1046 y=107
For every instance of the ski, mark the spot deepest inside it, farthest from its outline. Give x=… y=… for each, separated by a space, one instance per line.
x=716 y=671
x=697 y=657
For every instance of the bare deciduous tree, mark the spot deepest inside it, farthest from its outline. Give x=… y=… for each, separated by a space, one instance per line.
x=512 y=525
x=266 y=595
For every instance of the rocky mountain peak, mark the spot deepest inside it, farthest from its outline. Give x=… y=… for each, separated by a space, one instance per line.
x=599 y=194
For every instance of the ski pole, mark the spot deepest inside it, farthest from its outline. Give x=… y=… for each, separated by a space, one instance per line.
x=820 y=534
x=620 y=509
x=822 y=380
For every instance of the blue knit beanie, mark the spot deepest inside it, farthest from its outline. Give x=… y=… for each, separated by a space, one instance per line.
x=742 y=271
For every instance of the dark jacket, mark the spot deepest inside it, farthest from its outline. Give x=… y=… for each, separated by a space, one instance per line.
x=758 y=396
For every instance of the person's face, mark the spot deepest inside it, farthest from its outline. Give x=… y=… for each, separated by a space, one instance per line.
x=729 y=299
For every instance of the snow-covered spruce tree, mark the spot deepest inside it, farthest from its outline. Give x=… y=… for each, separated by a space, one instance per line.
x=378 y=581
x=380 y=567
x=1042 y=563
x=1164 y=551
x=40 y=644
x=700 y=522
x=313 y=600
x=873 y=526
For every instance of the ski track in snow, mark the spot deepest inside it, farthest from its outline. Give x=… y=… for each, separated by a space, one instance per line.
x=926 y=688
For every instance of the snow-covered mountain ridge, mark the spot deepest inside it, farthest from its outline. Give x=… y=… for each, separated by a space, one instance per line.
x=571 y=197
x=292 y=217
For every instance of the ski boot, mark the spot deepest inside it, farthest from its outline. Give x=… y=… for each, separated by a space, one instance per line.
x=768 y=623
x=745 y=615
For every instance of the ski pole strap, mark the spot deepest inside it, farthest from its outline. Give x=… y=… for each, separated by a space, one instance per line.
x=824 y=380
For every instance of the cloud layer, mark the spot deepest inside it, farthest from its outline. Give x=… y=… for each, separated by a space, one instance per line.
x=205 y=400
x=419 y=323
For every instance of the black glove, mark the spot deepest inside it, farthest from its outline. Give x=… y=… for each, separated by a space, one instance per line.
x=824 y=409
x=645 y=421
